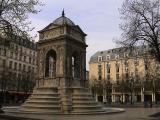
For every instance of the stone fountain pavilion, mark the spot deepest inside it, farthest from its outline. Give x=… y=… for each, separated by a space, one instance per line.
x=61 y=85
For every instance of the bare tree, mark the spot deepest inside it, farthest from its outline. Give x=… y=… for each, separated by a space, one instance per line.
x=141 y=24
x=14 y=15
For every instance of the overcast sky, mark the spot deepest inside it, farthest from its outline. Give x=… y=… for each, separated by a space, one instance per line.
x=99 y=19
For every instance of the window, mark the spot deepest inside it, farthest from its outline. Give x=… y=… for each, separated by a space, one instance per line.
x=126 y=55
x=99 y=77
x=127 y=75
x=20 y=66
x=117 y=67
x=33 y=61
x=99 y=71
x=146 y=66
x=10 y=64
x=15 y=66
x=117 y=76
x=99 y=66
x=24 y=58
x=29 y=68
x=136 y=62
x=16 y=55
x=33 y=69
x=4 y=63
x=24 y=67
x=108 y=70
x=107 y=57
x=126 y=69
x=108 y=77
x=116 y=56
x=11 y=54
x=108 y=65
x=136 y=70
x=126 y=63
x=29 y=60
x=20 y=57
x=4 y=52
x=99 y=58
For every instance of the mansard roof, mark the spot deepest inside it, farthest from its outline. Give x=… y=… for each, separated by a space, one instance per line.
x=120 y=52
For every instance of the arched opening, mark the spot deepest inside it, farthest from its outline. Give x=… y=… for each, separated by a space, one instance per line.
x=50 y=69
x=75 y=65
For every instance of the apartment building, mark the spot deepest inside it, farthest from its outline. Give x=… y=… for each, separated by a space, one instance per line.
x=17 y=64
x=124 y=75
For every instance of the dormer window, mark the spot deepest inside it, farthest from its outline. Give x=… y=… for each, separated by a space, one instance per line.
x=108 y=57
x=116 y=56
x=99 y=58
x=126 y=55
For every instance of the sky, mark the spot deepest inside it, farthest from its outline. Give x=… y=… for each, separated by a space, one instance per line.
x=99 y=19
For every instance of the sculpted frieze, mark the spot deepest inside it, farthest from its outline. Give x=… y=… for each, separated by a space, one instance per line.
x=52 y=33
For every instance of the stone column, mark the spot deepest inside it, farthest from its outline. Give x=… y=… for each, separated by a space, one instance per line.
x=142 y=95
x=96 y=97
x=124 y=98
x=153 y=97
x=104 y=97
x=113 y=97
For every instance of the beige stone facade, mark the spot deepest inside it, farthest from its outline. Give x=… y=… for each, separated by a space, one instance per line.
x=133 y=70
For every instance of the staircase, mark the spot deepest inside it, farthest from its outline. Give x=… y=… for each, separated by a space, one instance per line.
x=82 y=101
x=43 y=99
x=48 y=100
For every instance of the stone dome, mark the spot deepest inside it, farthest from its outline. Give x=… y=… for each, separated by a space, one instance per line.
x=63 y=20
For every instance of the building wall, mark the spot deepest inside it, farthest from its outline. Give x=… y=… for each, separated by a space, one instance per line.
x=17 y=60
x=139 y=67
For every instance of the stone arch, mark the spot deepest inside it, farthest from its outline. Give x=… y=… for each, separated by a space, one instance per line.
x=50 y=63
x=75 y=64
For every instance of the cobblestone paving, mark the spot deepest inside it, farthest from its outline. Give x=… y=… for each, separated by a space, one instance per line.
x=130 y=114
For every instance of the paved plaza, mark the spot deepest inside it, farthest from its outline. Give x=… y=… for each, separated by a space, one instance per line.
x=130 y=114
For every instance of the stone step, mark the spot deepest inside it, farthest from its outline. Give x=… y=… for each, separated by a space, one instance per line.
x=87 y=111
x=39 y=110
x=84 y=102
x=86 y=107
x=43 y=102
x=44 y=96
x=82 y=94
x=47 y=94
x=42 y=106
x=44 y=99
x=82 y=98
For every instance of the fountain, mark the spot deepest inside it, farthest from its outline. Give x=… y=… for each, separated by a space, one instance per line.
x=61 y=86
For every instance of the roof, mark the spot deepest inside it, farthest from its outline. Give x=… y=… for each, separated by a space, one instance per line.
x=112 y=53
